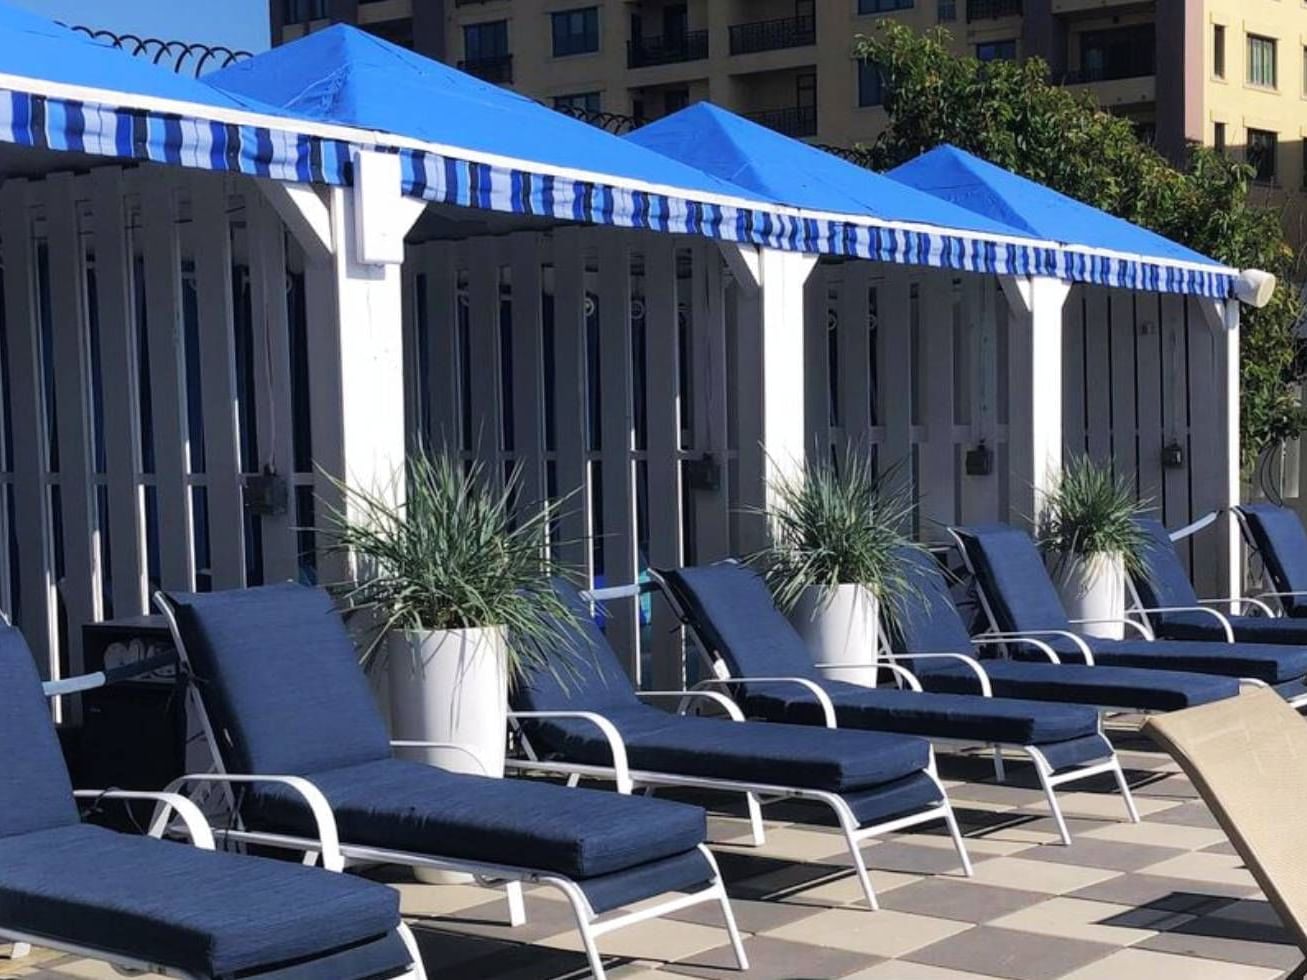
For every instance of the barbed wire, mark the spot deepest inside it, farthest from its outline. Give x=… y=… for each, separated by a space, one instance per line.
x=182 y=56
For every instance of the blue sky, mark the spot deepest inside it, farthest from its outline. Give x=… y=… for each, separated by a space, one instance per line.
x=235 y=23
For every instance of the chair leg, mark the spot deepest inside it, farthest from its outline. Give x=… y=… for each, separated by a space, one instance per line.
x=728 y=914
x=419 y=969
x=958 y=843
x=755 y=819
x=573 y=780
x=1054 y=807
x=1126 y=795
x=516 y=904
x=591 y=950
x=20 y=951
x=1000 y=769
x=860 y=866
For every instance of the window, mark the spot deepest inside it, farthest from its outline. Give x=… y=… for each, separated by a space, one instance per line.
x=947 y=10
x=1218 y=50
x=580 y=102
x=871 y=84
x=882 y=6
x=1262 y=146
x=1261 y=61
x=1218 y=137
x=576 y=31
x=298 y=11
x=1123 y=52
x=675 y=99
x=485 y=42
x=997 y=51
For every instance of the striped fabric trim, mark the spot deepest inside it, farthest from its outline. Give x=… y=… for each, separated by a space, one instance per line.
x=28 y=119
x=447 y=180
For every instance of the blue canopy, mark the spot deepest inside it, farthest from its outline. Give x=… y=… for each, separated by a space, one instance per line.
x=989 y=239
x=967 y=181
x=62 y=90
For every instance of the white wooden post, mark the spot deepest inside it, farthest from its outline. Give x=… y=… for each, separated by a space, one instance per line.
x=777 y=278
x=1034 y=389
x=356 y=357
x=1222 y=318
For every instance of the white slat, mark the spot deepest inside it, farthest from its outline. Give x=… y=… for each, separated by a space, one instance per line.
x=1207 y=473
x=163 y=311
x=745 y=344
x=816 y=361
x=31 y=497
x=854 y=350
x=1148 y=395
x=272 y=374
x=1074 y=432
x=573 y=474
x=115 y=311
x=617 y=429
x=662 y=448
x=484 y=355
x=1175 y=424
x=980 y=493
x=528 y=394
x=938 y=457
x=894 y=337
x=444 y=381
x=1098 y=372
x=211 y=237
x=71 y=348
x=1121 y=311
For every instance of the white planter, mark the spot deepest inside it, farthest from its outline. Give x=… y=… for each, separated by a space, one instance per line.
x=843 y=630
x=450 y=686
x=1093 y=588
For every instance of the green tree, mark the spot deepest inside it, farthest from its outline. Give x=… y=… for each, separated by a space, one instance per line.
x=1012 y=115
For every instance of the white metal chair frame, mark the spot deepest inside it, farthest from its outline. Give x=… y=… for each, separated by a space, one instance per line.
x=1049 y=779
x=193 y=825
x=334 y=853
x=756 y=794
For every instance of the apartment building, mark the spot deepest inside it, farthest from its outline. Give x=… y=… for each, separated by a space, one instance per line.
x=1229 y=73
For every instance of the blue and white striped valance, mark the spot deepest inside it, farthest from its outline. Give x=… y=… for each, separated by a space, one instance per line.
x=46 y=122
x=447 y=180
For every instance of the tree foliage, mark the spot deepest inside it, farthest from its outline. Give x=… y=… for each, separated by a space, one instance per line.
x=1012 y=115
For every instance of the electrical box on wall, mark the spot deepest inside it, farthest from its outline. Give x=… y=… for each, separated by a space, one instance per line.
x=378 y=189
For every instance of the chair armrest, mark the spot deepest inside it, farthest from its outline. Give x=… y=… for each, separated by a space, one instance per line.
x=621 y=769
x=1075 y=638
x=465 y=750
x=1219 y=617
x=721 y=700
x=1141 y=628
x=323 y=819
x=197 y=827
x=813 y=688
x=1039 y=645
x=971 y=663
x=1265 y=607
x=899 y=671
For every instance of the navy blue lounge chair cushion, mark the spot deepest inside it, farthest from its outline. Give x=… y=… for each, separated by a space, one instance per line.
x=1261 y=661
x=727 y=604
x=758 y=752
x=212 y=914
x=1165 y=583
x=928 y=622
x=35 y=793
x=413 y=807
x=1281 y=540
x=1011 y=573
x=280 y=679
x=1128 y=688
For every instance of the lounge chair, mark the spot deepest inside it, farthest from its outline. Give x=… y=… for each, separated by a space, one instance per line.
x=1019 y=598
x=144 y=904
x=594 y=724
x=929 y=636
x=1174 y=611
x=1246 y=758
x=756 y=653
x=291 y=721
x=1277 y=534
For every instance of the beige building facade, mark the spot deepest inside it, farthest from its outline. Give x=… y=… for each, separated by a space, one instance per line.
x=1229 y=73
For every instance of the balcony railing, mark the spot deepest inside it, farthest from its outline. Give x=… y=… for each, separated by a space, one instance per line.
x=771 y=35
x=1110 y=73
x=645 y=51
x=497 y=69
x=992 y=9
x=794 y=120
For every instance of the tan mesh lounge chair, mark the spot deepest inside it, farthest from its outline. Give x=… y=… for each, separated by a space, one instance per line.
x=1247 y=757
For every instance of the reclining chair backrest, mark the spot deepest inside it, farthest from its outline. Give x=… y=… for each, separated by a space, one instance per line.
x=589 y=674
x=1164 y=581
x=733 y=613
x=1279 y=537
x=35 y=792
x=1011 y=574
x=927 y=621
x=280 y=679
x=1246 y=757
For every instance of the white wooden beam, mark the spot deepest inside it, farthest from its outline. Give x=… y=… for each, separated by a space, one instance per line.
x=783 y=431
x=306 y=212
x=745 y=263
x=1227 y=368
x=1034 y=389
